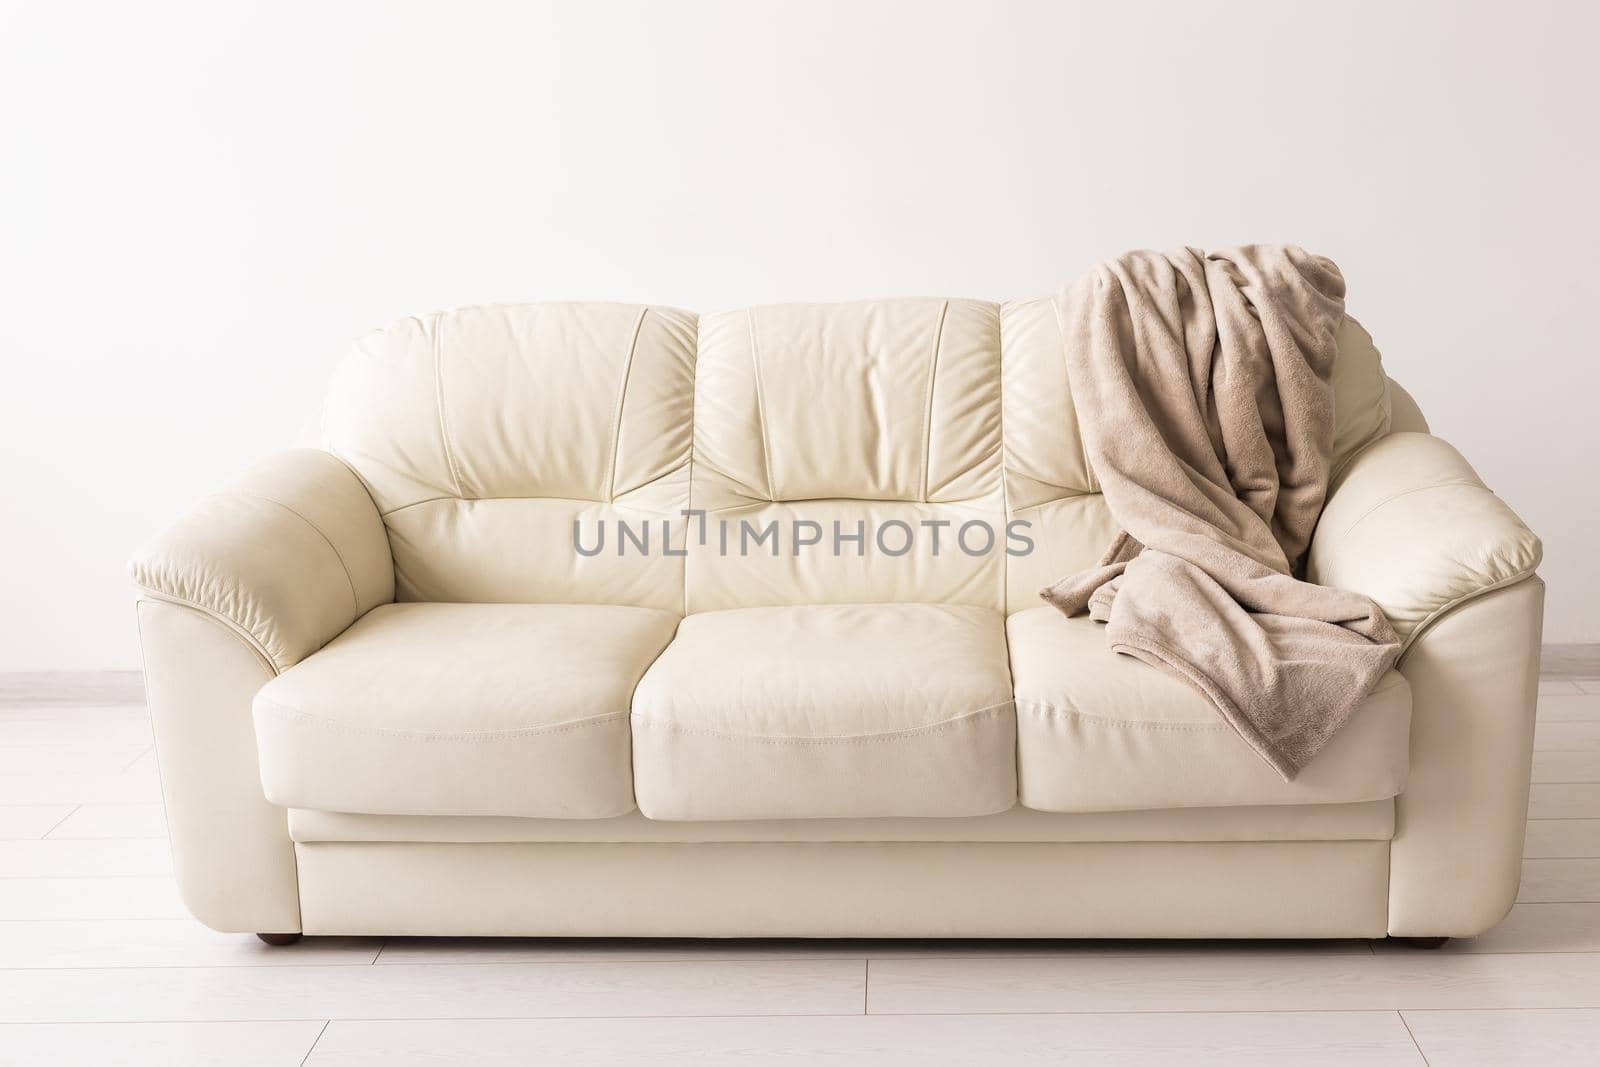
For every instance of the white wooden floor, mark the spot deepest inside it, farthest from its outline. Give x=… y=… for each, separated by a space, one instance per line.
x=99 y=965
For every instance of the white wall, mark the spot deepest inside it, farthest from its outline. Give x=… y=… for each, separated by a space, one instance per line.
x=200 y=203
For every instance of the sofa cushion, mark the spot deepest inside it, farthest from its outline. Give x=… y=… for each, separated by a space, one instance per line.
x=882 y=413
x=462 y=709
x=828 y=711
x=485 y=433
x=1097 y=731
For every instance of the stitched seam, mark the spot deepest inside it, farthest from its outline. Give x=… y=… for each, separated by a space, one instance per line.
x=438 y=397
x=1005 y=488
x=243 y=632
x=432 y=500
x=323 y=722
x=553 y=499
x=973 y=506
x=927 y=410
x=1444 y=609
x=1138 y=641
x=1047 y=711
x=149 y=584
x=622 y=397
x=1407 y=492
x=355 y=598
x=694 y=441
x=761 y=406
x=969 y=718
x=1336 y=474
x=1044 y=709
x=1083 y=445
x=373 y=500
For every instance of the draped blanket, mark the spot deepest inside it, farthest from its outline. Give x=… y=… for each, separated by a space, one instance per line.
x=1202 y=388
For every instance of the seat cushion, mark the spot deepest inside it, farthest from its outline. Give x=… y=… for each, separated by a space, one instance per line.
x=828 y=711
x=463 y=709
x=1097 y=731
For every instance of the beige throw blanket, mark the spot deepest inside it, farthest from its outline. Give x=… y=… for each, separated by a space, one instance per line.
x=1201 y=383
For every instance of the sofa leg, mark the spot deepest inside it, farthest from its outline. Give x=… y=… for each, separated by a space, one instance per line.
x=278 y=940
x=1421 y=942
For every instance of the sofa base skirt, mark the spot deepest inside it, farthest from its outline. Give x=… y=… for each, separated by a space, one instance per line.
x=1294 y=889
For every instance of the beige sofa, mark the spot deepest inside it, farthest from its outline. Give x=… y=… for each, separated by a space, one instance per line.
x=401 y=686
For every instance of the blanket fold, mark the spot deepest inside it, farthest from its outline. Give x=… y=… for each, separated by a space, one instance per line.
x=1202 y=384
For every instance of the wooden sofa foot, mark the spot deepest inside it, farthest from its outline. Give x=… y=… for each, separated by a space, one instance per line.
x=278 y=940
x=1421 y=942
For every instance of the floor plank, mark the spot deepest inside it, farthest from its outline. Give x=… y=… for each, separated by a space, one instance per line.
x=131 y=786
x=1384 y=981
x=164 y=943
x=1507 y=1038
x=1562 y=839
x=159 y=1044
x=90 y=898
x=1588 y=685
x=1570 y=661
x=113 y=821
x=73 y=713
x=1566 y=767
x=75 y=726
x=1557 y=686
x=1575 y=707
x=1565 y=880
x=20 y=822
x=789 y=987
x=55 y=858
x=1564 y=802
x=69 y=759
x=1566 y=736
x=1263 y=1040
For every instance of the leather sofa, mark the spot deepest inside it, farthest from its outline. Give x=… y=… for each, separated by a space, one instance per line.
x=397 y=689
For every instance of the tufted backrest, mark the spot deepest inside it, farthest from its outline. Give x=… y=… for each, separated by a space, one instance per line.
x=881 y=417
x=486 y=433
x=1048 y=481
x=879 y=451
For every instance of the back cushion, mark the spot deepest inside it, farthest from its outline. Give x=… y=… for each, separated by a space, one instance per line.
x=880 y=416
x=1049 y=483
x=1362 y=409
x=485 y=433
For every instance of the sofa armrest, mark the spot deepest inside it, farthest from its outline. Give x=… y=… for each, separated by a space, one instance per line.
x=1410 y=524
x=288 y=555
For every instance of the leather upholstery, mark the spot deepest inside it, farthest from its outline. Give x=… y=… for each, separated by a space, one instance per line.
x=870 y=413
x=1406 y=416
x=1362 y=404
x=289 y=554
x=848 y=889
x=463 y=709
x=1048 y=481
x=1411 y=525
x=828 y=711
x=230 y=848
x=1371 y=821
x=829 y=742
x=1101 y=732
x=484 y=432
x=1457 y=855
